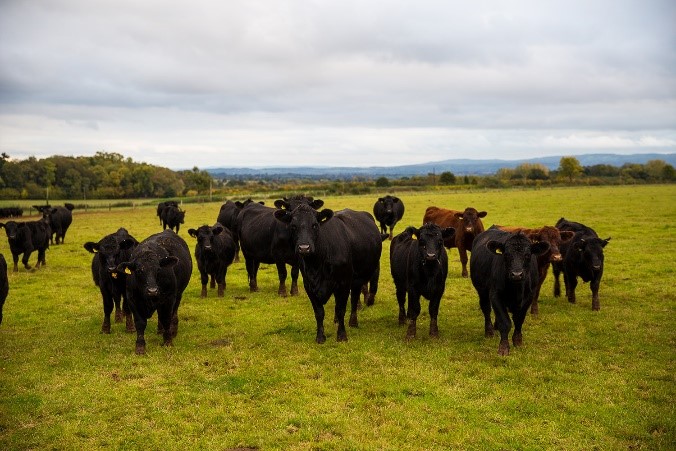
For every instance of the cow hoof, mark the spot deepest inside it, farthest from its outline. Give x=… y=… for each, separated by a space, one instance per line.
x=320 y=339
x=105 y=330
x=140 y=350
x=353 y=321
x=517 y=339
x=168 y=343
x=434 y=333
x=341 y=336
x=294 y=291
x=371 y=299
x=118 y=316
x=402 y=321
x=596 y=307
x=503 y=349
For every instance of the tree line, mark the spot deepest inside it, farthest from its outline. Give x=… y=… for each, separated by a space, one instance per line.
x=112 y=176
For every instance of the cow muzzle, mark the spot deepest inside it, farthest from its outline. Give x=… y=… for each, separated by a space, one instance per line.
x=516 y=275
x=596 y=267
x=469 y=229
x=304 y=249
x=556 y=258
x=431 y=256
x=152 y=292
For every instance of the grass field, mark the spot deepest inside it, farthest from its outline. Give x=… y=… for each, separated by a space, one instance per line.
x=245 y=372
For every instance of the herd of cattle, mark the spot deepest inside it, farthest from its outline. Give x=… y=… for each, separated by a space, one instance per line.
x=337 y=252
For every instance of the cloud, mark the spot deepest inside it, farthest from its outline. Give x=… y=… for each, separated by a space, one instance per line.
x=352 y=78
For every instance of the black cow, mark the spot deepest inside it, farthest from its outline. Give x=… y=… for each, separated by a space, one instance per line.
x=339 y=253
x=158 y=271
x=388 y=211
x=25 y=238
x=214 y=252
x=504 y=272
x=172 y=217
x=227 y=216
x=419 y=267
x=263 y=239
x=4 y=283
x=161 y=206
x=582 y=257
x=107 y=256
x=59 y=220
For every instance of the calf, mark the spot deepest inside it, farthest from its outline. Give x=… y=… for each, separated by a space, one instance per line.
x=25 y=238
x=467 y=225
x=388 y=211
x=158 y=271
x=4 y=283
x=582 y=257
x=419 y=267
x=59 y=220
x=227 y=216
x=161 y=206
x=505 y=274
x=214 y=252
x=172 y=217
x=107 y=256
x=263 y=239
x=555 y=238
x=338 y=254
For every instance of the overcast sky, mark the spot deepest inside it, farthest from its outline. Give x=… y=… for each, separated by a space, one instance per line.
x=336 y=83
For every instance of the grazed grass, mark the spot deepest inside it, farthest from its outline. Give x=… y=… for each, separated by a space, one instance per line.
x=245 y=371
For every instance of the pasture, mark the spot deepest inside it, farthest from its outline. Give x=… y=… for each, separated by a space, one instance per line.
x=246 y=373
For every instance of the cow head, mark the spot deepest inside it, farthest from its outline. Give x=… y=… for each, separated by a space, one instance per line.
x=430 y=238
x=109 y=251
x=205 y=235
x=304 y=223
x=516 y=252
x=143 y=270
x=292 y=202
x=590 y=250
x=471 y=220
x=554 y=237
x=13 y=229
x=388 y=202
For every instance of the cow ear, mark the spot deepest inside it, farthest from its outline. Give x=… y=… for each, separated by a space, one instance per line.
x=380 y=199
x=539 y=248
x=579 y=245
x=458 y=215
x=239 y=204
x=283 y=215
x=92 y=247
x=495 y=247
x=413 y=231
x=324 y=215
x=395 y=199
x=192 y=233
x=282 y=205
x=127 y=243
x=2 y=224
x=317 y=204
x=534 y=237
x=448 y=232
x=566 y=235
x=166 y=262
x=482 y=214
x=126 y=267
x=604 y=242
x=261 y=202
x=217 y=230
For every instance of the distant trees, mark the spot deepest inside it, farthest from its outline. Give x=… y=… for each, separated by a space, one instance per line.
x=447 y=178
x=570 y=168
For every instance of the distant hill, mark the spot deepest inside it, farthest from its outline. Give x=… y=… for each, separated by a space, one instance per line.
x=456 y=166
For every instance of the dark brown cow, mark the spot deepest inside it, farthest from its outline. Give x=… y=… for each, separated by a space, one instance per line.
x=467 y=225
x=554 y=238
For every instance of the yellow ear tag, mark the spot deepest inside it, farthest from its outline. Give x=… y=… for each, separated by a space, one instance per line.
x=498 y=251
x=127 y=271
x=114 y=275
x=413 y=237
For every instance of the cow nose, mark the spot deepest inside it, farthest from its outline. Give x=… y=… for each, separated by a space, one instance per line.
x=556 y=258
x=112 y=268
x=516 y=275
x=207 y=248
x=596 y=267
x=152 y=291
x=430 y=256
x=303 y=248
x=468 y=229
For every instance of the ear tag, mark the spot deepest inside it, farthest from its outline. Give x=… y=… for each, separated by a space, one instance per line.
x=127 y=271
x=498 y=251
x=114 y=275
x=413 y=237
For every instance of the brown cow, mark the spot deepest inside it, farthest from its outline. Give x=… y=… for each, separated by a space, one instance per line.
x=554 y=238
x=467 y=225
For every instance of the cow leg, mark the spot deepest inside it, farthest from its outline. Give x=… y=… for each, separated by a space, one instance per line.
x=485 y=304
x=15 y=257
x=129 y=321
x=252 y=270
x=117 y=301
x=519 y=317
x=355 y=295
x=463 y=260
x=373 y=287
x=212 y=282
x=503 y=323
x=434 y=313
x=107 y=310
x=413 y=313
x=594 y=285
x=140 y=324
x=282 y=273
x=221 y=281
x=319 y=318
x=401 y=300
x=204 y=278
x=24 y=260
x=295 y=269
x=341 y=296
x=164 y=317
x=571 y=284
x=534 y=308
x=557 y=285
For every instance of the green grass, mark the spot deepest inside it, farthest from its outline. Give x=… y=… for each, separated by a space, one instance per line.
x=245 y=372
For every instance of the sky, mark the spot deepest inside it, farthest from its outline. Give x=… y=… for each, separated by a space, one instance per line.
x=262 y=83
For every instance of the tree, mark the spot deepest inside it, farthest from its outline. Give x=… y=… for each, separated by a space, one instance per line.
x=447 y=178
x=570 y=167
x=382 y=182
